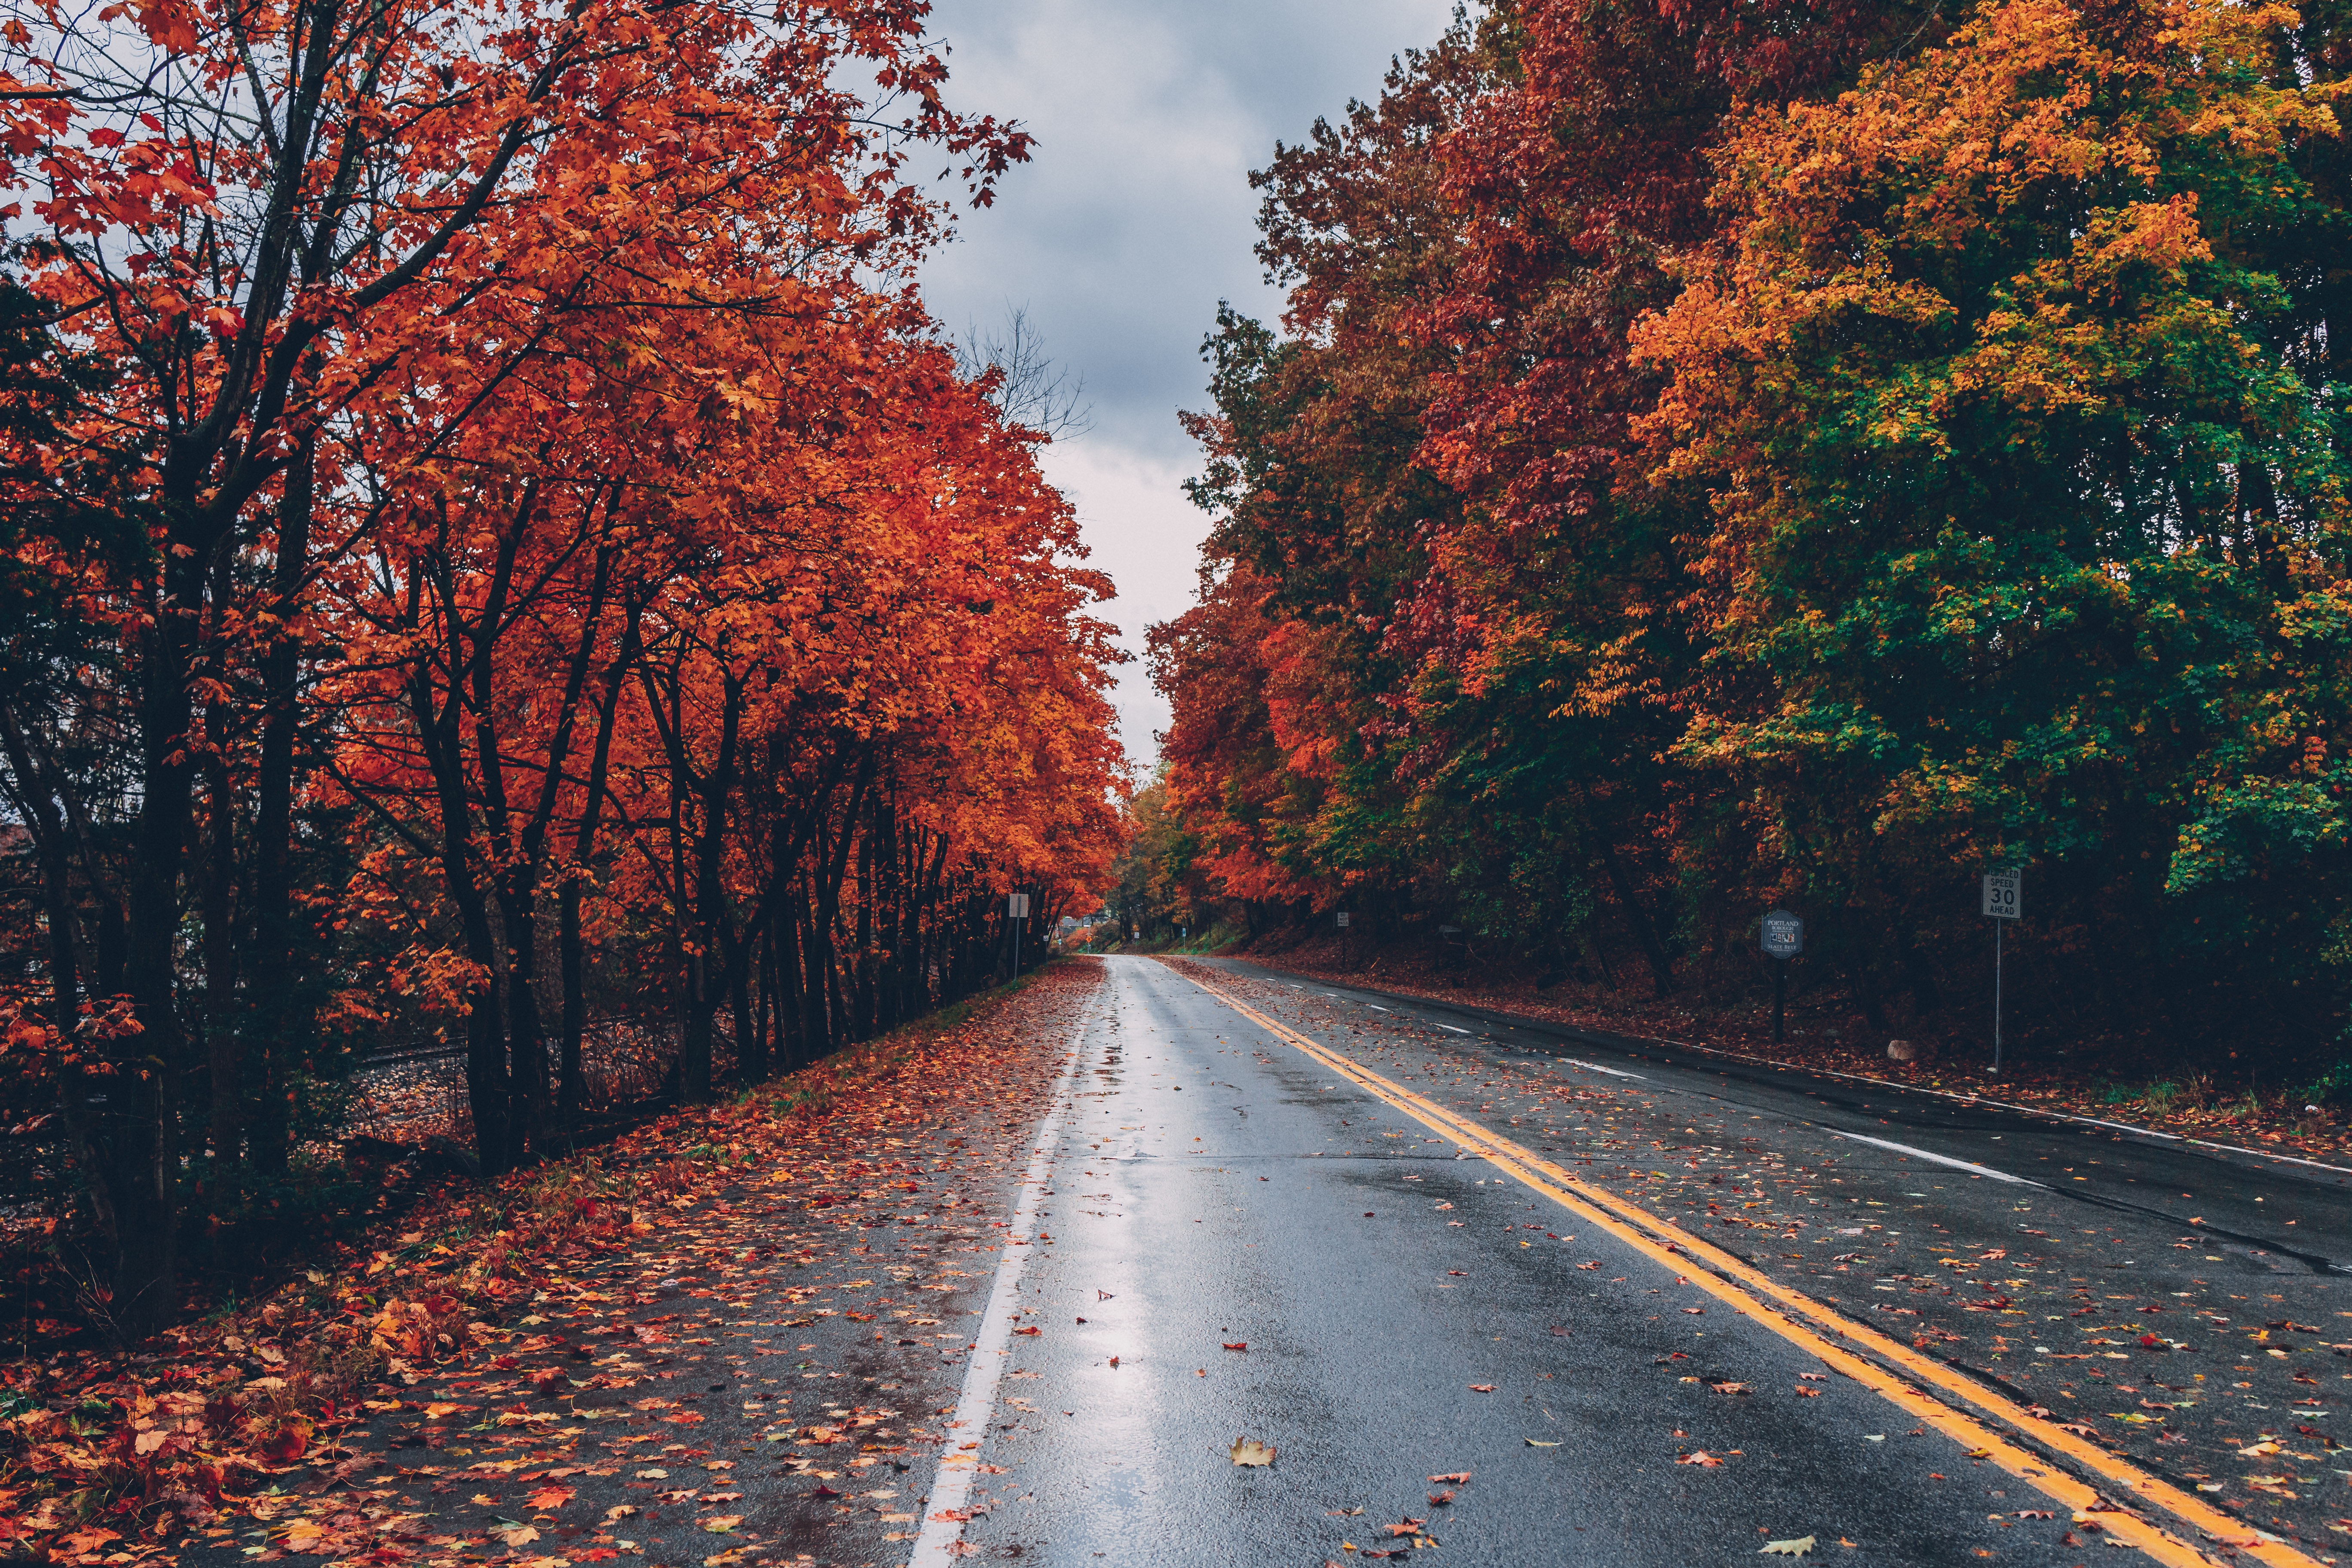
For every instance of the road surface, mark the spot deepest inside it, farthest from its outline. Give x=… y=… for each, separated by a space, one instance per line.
x=1656 y=1310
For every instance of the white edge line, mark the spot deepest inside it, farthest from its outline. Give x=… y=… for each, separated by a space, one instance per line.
x=1451 y=1026
x=953 y=1484
x=1376 y=1006
x=1970 y=1166
x=1596 y=1067
x=2049 y=1115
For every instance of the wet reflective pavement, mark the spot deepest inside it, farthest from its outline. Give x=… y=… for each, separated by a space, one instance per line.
x=1234 y=1241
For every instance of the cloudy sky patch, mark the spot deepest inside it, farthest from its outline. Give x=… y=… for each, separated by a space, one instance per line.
x=1134 y=219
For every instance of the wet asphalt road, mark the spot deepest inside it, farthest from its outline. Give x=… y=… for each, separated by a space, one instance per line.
x=1409 y=1313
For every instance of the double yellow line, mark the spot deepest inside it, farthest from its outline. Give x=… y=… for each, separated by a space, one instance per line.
x=1813 y=1327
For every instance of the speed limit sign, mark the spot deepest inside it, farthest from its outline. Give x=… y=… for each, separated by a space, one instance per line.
x=2000 y=895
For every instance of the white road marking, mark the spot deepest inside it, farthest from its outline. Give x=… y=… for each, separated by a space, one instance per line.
x=1451 y=1026
x=1376 y=1006
x=1596 y=1067
x=1970 y=1166
x=952 y=1485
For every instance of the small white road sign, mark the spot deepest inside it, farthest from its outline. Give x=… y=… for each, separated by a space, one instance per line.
x=2000 y=895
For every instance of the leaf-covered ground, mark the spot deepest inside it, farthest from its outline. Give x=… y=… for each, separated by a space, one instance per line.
x=728 y=1338
x=2127 y=1089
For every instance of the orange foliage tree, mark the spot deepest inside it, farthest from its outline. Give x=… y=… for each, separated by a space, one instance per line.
x=475 y=470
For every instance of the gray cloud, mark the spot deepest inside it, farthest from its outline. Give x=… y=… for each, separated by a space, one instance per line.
x=1134 y=220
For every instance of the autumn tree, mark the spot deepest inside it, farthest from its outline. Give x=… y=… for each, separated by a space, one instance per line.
x=291 y=277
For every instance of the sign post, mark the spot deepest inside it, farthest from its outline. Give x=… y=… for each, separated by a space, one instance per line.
x=1016 y=908
x=1347 y=944
x=1782 y=938
x=2001 y=905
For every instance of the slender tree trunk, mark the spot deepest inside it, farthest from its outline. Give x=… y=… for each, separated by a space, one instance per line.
x=583 y=845
x=36 y=799
x=488 y=1087
x=817 y=1031
x=526 y=1036
x=750 y=1054
x=140 y=1113
x=223 y=1056
x=862 y=986
x=792 y=1026
x=1661 y=972
x=277 y=1021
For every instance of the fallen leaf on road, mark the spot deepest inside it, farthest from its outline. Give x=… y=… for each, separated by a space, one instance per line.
x=1482 y=1388
x=1796 y=1548
x=1343 y=1512
x=1410 y=1526
x=1250 y=1451
x=550 y=1498
x=723 y=1523
x=1539 y=1442
x=516 y=1535
x=1243 y=1346
x=1807 y=1393
x=1701 y=1458
x=619 y=1511
x=434 y=1412
x=1728 y=1387
x=1439 y=1500
x=1456 y=1479
x=1028 y=1331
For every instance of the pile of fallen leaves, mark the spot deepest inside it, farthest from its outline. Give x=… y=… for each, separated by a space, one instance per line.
x=2077 y=1087
x=106 y=1456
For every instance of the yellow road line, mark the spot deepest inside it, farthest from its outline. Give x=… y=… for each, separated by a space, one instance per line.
x=1741 y=1285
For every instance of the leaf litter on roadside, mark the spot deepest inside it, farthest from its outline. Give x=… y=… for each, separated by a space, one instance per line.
x=521 y=1294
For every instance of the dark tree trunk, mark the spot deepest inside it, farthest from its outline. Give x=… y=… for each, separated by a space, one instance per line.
x=1661 y=972
x=583 y=845
x=277 y=1017
x=223 y=1059
x=137 y=1143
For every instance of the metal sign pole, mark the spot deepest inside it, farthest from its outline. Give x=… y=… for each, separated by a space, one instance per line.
x=1996 y=997
x=2003 y=902
x=1783 y=937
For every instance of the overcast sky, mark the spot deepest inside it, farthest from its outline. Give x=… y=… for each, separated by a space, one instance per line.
x=1133 y=220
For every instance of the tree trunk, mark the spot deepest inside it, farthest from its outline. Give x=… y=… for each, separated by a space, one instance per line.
x=277 y=1021
x=1661 y=972
x=583 y=845
x=137 y=1141
x=223 y=1057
